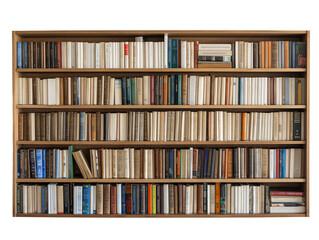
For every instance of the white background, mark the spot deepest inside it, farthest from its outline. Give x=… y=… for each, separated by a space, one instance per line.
x=162 y=14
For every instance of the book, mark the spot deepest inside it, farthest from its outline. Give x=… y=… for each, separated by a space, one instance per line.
x=82 y=164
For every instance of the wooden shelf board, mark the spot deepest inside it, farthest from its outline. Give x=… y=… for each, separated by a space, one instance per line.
x=160 y=70
x=165 y=215
x=159 y=107
x=133 y=33
x=196 y=180
x=159 y=143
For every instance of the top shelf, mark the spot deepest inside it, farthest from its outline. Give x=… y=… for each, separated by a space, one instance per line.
x=206 y=33
x=160 y=70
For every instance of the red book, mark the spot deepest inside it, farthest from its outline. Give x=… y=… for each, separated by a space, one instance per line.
x=149 y=196
x=285 y=193
x=128 y=196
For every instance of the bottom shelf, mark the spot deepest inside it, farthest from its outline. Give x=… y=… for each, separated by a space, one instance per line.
x=164 y=215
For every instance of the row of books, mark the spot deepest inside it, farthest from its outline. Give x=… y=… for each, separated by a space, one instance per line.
x=162 y=126
x=150 y=199
x=161 y=163
x=162 y=89
x=270 y=54
x=138 y=54
x=169 y=53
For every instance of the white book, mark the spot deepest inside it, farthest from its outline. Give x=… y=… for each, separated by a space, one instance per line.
x=165 y=50
x=119 y=198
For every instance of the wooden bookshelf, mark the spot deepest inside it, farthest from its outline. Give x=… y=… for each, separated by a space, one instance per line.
x=202 y=36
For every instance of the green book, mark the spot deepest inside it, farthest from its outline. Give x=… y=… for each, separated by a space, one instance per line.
x=71 y=169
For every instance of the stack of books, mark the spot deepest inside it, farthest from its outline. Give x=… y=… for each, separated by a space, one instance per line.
x=287 y=201
x=215 y=55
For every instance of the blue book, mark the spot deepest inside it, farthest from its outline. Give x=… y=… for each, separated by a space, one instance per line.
x=133 y=199
x=179 y=89
x=129 y=91
x=44 y=163
x=43 y=194
x=25 y=55
x=38 y=155
x=171 y=163
x=82 y=120
x=282 y=163
x=86 y=203
x=169 y=60
x=123 y=199
x=19 y=55
x=174 y=53
x=124 y=97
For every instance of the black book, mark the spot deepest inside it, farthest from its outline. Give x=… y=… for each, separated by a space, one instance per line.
x=297 y=126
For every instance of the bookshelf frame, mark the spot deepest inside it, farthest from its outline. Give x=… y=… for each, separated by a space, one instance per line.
x=201 y=35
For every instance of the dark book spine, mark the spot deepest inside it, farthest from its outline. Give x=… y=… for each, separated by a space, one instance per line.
x=297 y=126
x=19 y=199
x=32 y=158
x=123 y=199
x=66 y=199
x=46 y=200
x=222 y=199
x=25 y=54
x=124 y=91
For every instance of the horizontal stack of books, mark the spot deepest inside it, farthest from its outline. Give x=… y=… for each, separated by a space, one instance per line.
x=287 y=201
x=215 y=55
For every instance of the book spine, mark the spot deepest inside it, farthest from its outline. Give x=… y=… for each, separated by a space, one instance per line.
x=19 y=55
x=86 y=202
x=297 y=126
x=39 y=163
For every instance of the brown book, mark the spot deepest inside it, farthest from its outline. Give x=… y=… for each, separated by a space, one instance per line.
x=217 y=198
x=82 y=164
x=106 y=199
x=113 y=199
x=196 y=46
x=99 y=199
